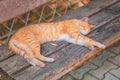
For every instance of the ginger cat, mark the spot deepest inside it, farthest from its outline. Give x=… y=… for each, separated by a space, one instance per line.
x=26 y=41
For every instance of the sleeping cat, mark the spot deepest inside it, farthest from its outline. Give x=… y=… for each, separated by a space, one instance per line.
x=26 y=41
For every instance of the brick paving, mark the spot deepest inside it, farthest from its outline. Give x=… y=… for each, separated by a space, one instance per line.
x=105 y=66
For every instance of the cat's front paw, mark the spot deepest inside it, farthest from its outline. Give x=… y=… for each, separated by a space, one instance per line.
x=51 y=60
x=101 y=46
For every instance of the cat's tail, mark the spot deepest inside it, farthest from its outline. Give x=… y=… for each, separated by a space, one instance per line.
x=17 y=48
x=20 y=49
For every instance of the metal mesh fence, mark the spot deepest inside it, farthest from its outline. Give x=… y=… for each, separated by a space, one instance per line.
x=44 y=13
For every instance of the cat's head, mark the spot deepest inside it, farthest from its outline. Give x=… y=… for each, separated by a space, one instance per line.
x=84 y=26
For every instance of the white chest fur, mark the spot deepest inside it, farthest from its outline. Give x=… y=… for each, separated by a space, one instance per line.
x=67 y=38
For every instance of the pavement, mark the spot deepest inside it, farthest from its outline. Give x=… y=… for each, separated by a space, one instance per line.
x=105 y=66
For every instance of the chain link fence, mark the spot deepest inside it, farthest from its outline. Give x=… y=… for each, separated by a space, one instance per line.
x=43 y=13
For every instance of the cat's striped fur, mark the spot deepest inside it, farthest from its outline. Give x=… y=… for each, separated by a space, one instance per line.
x=26 y=41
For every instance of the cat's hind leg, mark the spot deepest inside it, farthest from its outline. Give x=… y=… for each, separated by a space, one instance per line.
x=33 y=61
x=36 y=50
x=23 y=50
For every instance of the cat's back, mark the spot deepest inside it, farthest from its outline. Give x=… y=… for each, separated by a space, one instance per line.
x=23 y=32
x=30 y=30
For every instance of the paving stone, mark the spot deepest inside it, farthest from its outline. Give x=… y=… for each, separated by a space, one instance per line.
x=111 y=54
x=115 y=48
x=99 y=73
x=99 y=60
x=89 y=77
x=108 y=76
x=67 y=77
x=79 y=72
x=116 y=72
x=115 y=60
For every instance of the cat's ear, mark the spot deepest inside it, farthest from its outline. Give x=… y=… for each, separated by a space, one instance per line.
x=85 y=19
